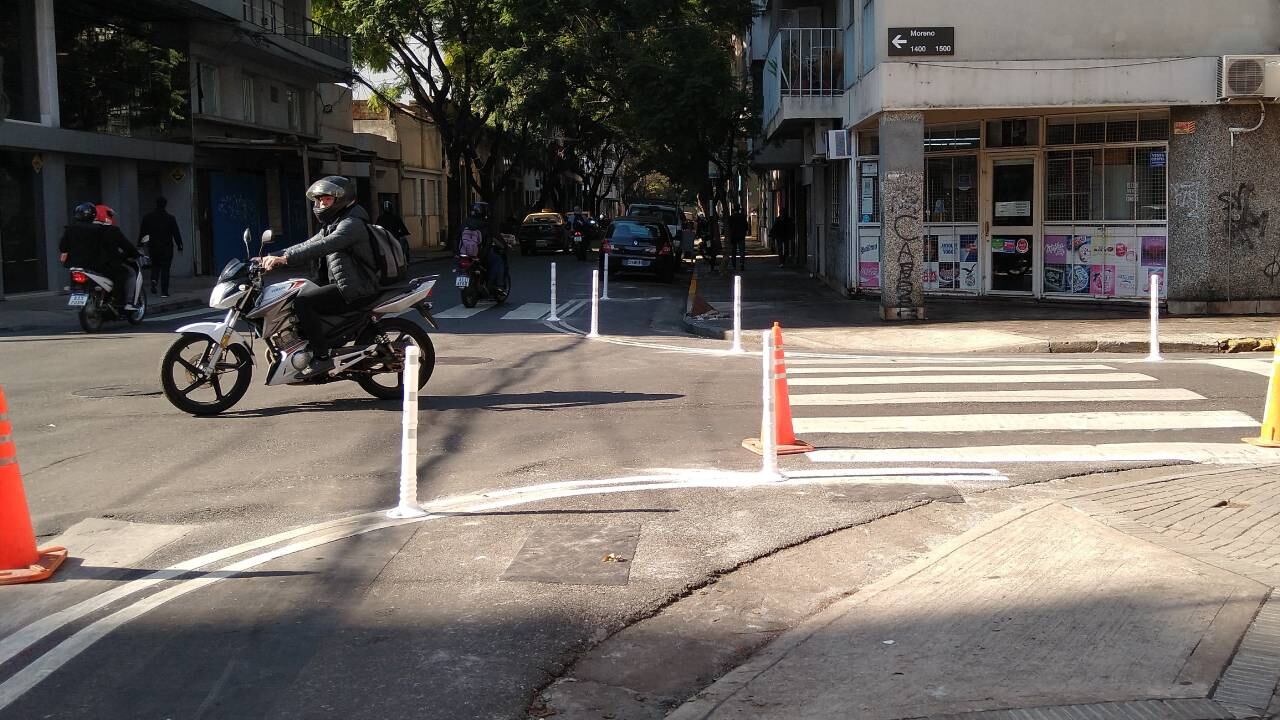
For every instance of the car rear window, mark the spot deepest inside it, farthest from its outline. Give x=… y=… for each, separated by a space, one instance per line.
x=543 y=219
x=666 y=217
x=632 y=231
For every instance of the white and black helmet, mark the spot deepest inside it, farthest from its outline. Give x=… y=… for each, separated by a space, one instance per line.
x=340 y=188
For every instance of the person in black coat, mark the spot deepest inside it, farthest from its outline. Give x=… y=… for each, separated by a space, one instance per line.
x=159 y=235
x=388 y=219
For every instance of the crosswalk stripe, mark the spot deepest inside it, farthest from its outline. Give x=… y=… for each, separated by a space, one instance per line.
x=528 y=311
x=459 y=312
x=1207 y=453
x=570 y=308
x=1259 y=367
x=803 y=358
x=1007 y=396
x=1013 y=422
x=1114 y=377
x=817 y=370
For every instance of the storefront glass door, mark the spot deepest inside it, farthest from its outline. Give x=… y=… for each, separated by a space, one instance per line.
x=1012 y=225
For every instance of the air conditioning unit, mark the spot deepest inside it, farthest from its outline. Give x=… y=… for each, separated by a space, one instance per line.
x=838 y=145
x=1249 y=76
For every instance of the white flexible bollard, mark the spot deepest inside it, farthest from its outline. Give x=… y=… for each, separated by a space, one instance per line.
x=595 y=304
x=409 y=507
x=737 y=315
x=1155 y=319
x=768 y=433
x=553 y=317
x=605 y=295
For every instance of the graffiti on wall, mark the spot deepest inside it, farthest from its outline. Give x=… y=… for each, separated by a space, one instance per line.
x=1188 y=198
x=1246 y=228
x=907 y=278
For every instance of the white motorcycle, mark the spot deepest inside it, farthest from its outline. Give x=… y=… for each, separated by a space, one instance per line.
x=208 y=369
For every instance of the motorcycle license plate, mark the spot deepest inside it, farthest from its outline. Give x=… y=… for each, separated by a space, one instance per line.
x=463 y=281
x=78 y=300
x=635 y=263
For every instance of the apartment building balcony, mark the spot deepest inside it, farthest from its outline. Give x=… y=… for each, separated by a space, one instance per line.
x=286 y=20
x=803 y=77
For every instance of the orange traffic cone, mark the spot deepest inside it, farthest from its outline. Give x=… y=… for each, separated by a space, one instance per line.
x=1269 y=436
x=20 y=562
x=698 y=305
x=784 y=429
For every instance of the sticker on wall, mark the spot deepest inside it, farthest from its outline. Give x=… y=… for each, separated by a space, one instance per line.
x=1057 y=278
x=1081 y=249
x=929 y=276
x=947 y=250
x=1102 y=280
x=969 y=276
x=1023 y=246
x=869 y=274
x=1057 y=248
x=969 y=248
x=1154 y=251
x=1080 y=279
x=1126 y=282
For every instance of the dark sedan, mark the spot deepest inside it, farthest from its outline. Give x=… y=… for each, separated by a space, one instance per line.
x=639 y=246
x=543 y=231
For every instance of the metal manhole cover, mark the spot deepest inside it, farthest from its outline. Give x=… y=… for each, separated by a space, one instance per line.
x=463 y=360
x=112 y=391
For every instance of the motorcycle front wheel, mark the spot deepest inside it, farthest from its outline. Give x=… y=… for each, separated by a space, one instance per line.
x=91 y=315
x=190 y=390
x=386 y=381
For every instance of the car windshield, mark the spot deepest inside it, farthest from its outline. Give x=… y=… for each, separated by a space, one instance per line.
x=633 y=231
x=543 y=219
x=666 y=217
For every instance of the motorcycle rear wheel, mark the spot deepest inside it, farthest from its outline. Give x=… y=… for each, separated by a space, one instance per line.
x=399 y=332
x=470 y=295
x=181 y=379
x=91 y=315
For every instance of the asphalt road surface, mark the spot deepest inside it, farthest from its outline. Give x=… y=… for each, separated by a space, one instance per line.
x=576 y=485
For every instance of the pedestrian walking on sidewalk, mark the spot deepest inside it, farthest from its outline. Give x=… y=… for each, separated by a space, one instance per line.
x=738 y=228
x=781 y=233
x=158 y=236
x=711 y=243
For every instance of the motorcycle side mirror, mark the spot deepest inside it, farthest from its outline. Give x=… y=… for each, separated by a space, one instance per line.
x=247 y=252
x=267 y=237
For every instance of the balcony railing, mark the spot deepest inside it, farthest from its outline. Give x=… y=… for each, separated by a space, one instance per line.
x=273 y=17
x=810 y=61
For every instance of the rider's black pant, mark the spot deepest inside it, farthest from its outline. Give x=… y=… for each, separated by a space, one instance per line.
x=312 y=304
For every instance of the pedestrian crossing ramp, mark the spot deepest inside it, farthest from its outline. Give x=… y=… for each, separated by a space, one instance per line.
x=1014 y=413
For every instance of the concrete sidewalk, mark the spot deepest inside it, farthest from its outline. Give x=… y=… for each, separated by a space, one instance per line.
x=819 y=318
x=1146 y=600
x=48 y=310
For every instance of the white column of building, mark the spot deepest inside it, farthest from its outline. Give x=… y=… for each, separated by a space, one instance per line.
x=47 y=64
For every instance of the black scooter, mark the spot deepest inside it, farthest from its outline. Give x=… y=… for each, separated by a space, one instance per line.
x=472 y=277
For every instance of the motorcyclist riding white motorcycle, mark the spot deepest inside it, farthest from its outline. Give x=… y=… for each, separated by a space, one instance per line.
x=346 y=277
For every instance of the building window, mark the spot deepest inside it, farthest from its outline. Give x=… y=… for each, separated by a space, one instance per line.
x=835 y=192
x=207 y=89
x=946 y=138
x=951 y=189
x=1113 y=184
x=121 y=71
x=18 y=56
x=1013 y=132
x=1098 y=129
x=248 y=104
x=293 y=101
x=867 y=37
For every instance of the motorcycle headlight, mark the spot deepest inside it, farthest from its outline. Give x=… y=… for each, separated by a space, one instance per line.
x=224 y=294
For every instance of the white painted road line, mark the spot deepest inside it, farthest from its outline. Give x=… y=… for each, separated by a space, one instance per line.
x=998 y=397
x=817 y=370
x=810 y=358
x=528 y=311
x=1204 y=453
x=23 y=680
x=459 y=312
x=186 y=314
x=1258 y=367
x=571 y=307
x=1000 y=422
x=1116 y=377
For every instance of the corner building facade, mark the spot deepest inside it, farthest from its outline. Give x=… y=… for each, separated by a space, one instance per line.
x=1065 y=151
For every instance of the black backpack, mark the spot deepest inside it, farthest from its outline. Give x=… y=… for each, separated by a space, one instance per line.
x=390 y=255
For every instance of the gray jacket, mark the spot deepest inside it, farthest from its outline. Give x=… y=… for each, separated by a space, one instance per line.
x=348 y=258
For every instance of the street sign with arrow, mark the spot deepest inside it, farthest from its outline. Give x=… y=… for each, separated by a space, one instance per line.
x=918 y=41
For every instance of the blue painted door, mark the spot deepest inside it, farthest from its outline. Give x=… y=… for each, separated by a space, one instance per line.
x=238 y=201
